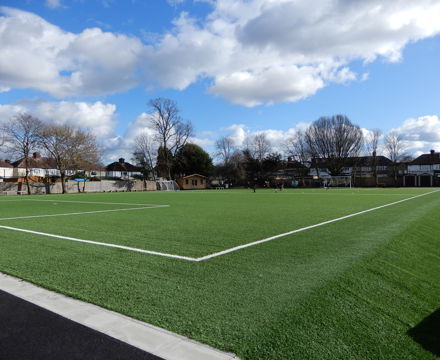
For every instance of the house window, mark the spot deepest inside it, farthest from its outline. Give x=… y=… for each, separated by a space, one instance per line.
x=201 y=181
x=186 y=181
x=195 y=182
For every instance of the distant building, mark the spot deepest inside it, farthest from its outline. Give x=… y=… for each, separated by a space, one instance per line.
x=6 y=170
x=359 y=166
x=39 y=167
x=193 y=182
x=122 y=170
x=423 y=171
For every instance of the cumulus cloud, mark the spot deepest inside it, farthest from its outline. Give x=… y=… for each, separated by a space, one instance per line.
x=253 y=51
x=263 y=52
x=420 y=134
x=96 y=117
x=240 y=135
x=39 y=55
x=250 y=88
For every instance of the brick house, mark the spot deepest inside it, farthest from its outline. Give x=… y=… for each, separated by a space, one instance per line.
x=39 y=167
x=423 y=171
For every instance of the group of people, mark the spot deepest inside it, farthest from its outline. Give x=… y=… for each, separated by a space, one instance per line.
x=276 y=187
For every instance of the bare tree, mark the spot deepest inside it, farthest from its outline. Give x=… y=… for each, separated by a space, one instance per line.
x=172 y=131
x=259 y=146
x=296 y=147
x=146 y=153
x=333 y=140
x=225 y=149
x=371 y=145
x=21 y=139
x=71 y=148
x=395 y=150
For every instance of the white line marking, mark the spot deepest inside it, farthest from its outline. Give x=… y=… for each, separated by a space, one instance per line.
x=86 y=202
x=82 y=213
x=99 y=243
x=227 y=251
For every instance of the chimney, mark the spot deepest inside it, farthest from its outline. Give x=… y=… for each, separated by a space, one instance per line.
x=122 y=160
x=432 y=152
x=36 y=155
x=374 y=153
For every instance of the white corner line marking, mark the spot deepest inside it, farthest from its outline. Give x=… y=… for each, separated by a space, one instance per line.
x=83 y=213
x=86 y=202
x=99 y=243
x=227 y=251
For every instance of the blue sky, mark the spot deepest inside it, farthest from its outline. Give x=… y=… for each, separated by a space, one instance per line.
x=234 y=67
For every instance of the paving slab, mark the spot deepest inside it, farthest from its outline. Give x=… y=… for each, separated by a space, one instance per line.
x=156 y=341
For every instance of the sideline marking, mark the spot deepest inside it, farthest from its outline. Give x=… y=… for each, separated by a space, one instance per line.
x=82 y=213
x=223 y=252
x=99 y=243
x=307 y=228
x=87 y=202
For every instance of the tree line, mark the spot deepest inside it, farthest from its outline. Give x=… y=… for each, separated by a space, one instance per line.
x=70 y=148
x=329 y=141
x=164 y=148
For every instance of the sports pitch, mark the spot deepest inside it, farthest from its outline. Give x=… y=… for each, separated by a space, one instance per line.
x=297 y=274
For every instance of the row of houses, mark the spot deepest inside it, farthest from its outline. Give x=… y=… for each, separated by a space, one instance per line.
x=423 y=171
x=372 y=171
x=44 y=169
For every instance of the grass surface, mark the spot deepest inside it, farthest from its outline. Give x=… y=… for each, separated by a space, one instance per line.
x=347 y=290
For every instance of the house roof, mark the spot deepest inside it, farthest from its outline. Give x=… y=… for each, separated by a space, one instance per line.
x=4 y=164
x=122 y=166
x=192 y=175
x=36 y=162
x=426 y=159
x=294 y=164
x=356 y=161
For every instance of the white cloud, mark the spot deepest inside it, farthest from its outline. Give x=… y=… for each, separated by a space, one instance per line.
x=38 y=55
x=254 y=51
x=202 y=142
x=420 y=134
x=250 y=89
x=96 y=117
x=175 y=2
x=263 y=52
x=53 y=4
x=239 y=134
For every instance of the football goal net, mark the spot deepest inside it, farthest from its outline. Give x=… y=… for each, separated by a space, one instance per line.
x=339 y=181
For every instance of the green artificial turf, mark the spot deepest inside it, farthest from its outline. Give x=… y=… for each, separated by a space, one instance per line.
x=352 y=289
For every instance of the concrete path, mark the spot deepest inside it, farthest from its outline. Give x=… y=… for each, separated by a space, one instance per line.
x=157 y=342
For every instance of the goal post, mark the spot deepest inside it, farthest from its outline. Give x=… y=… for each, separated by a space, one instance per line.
x=339 y=181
